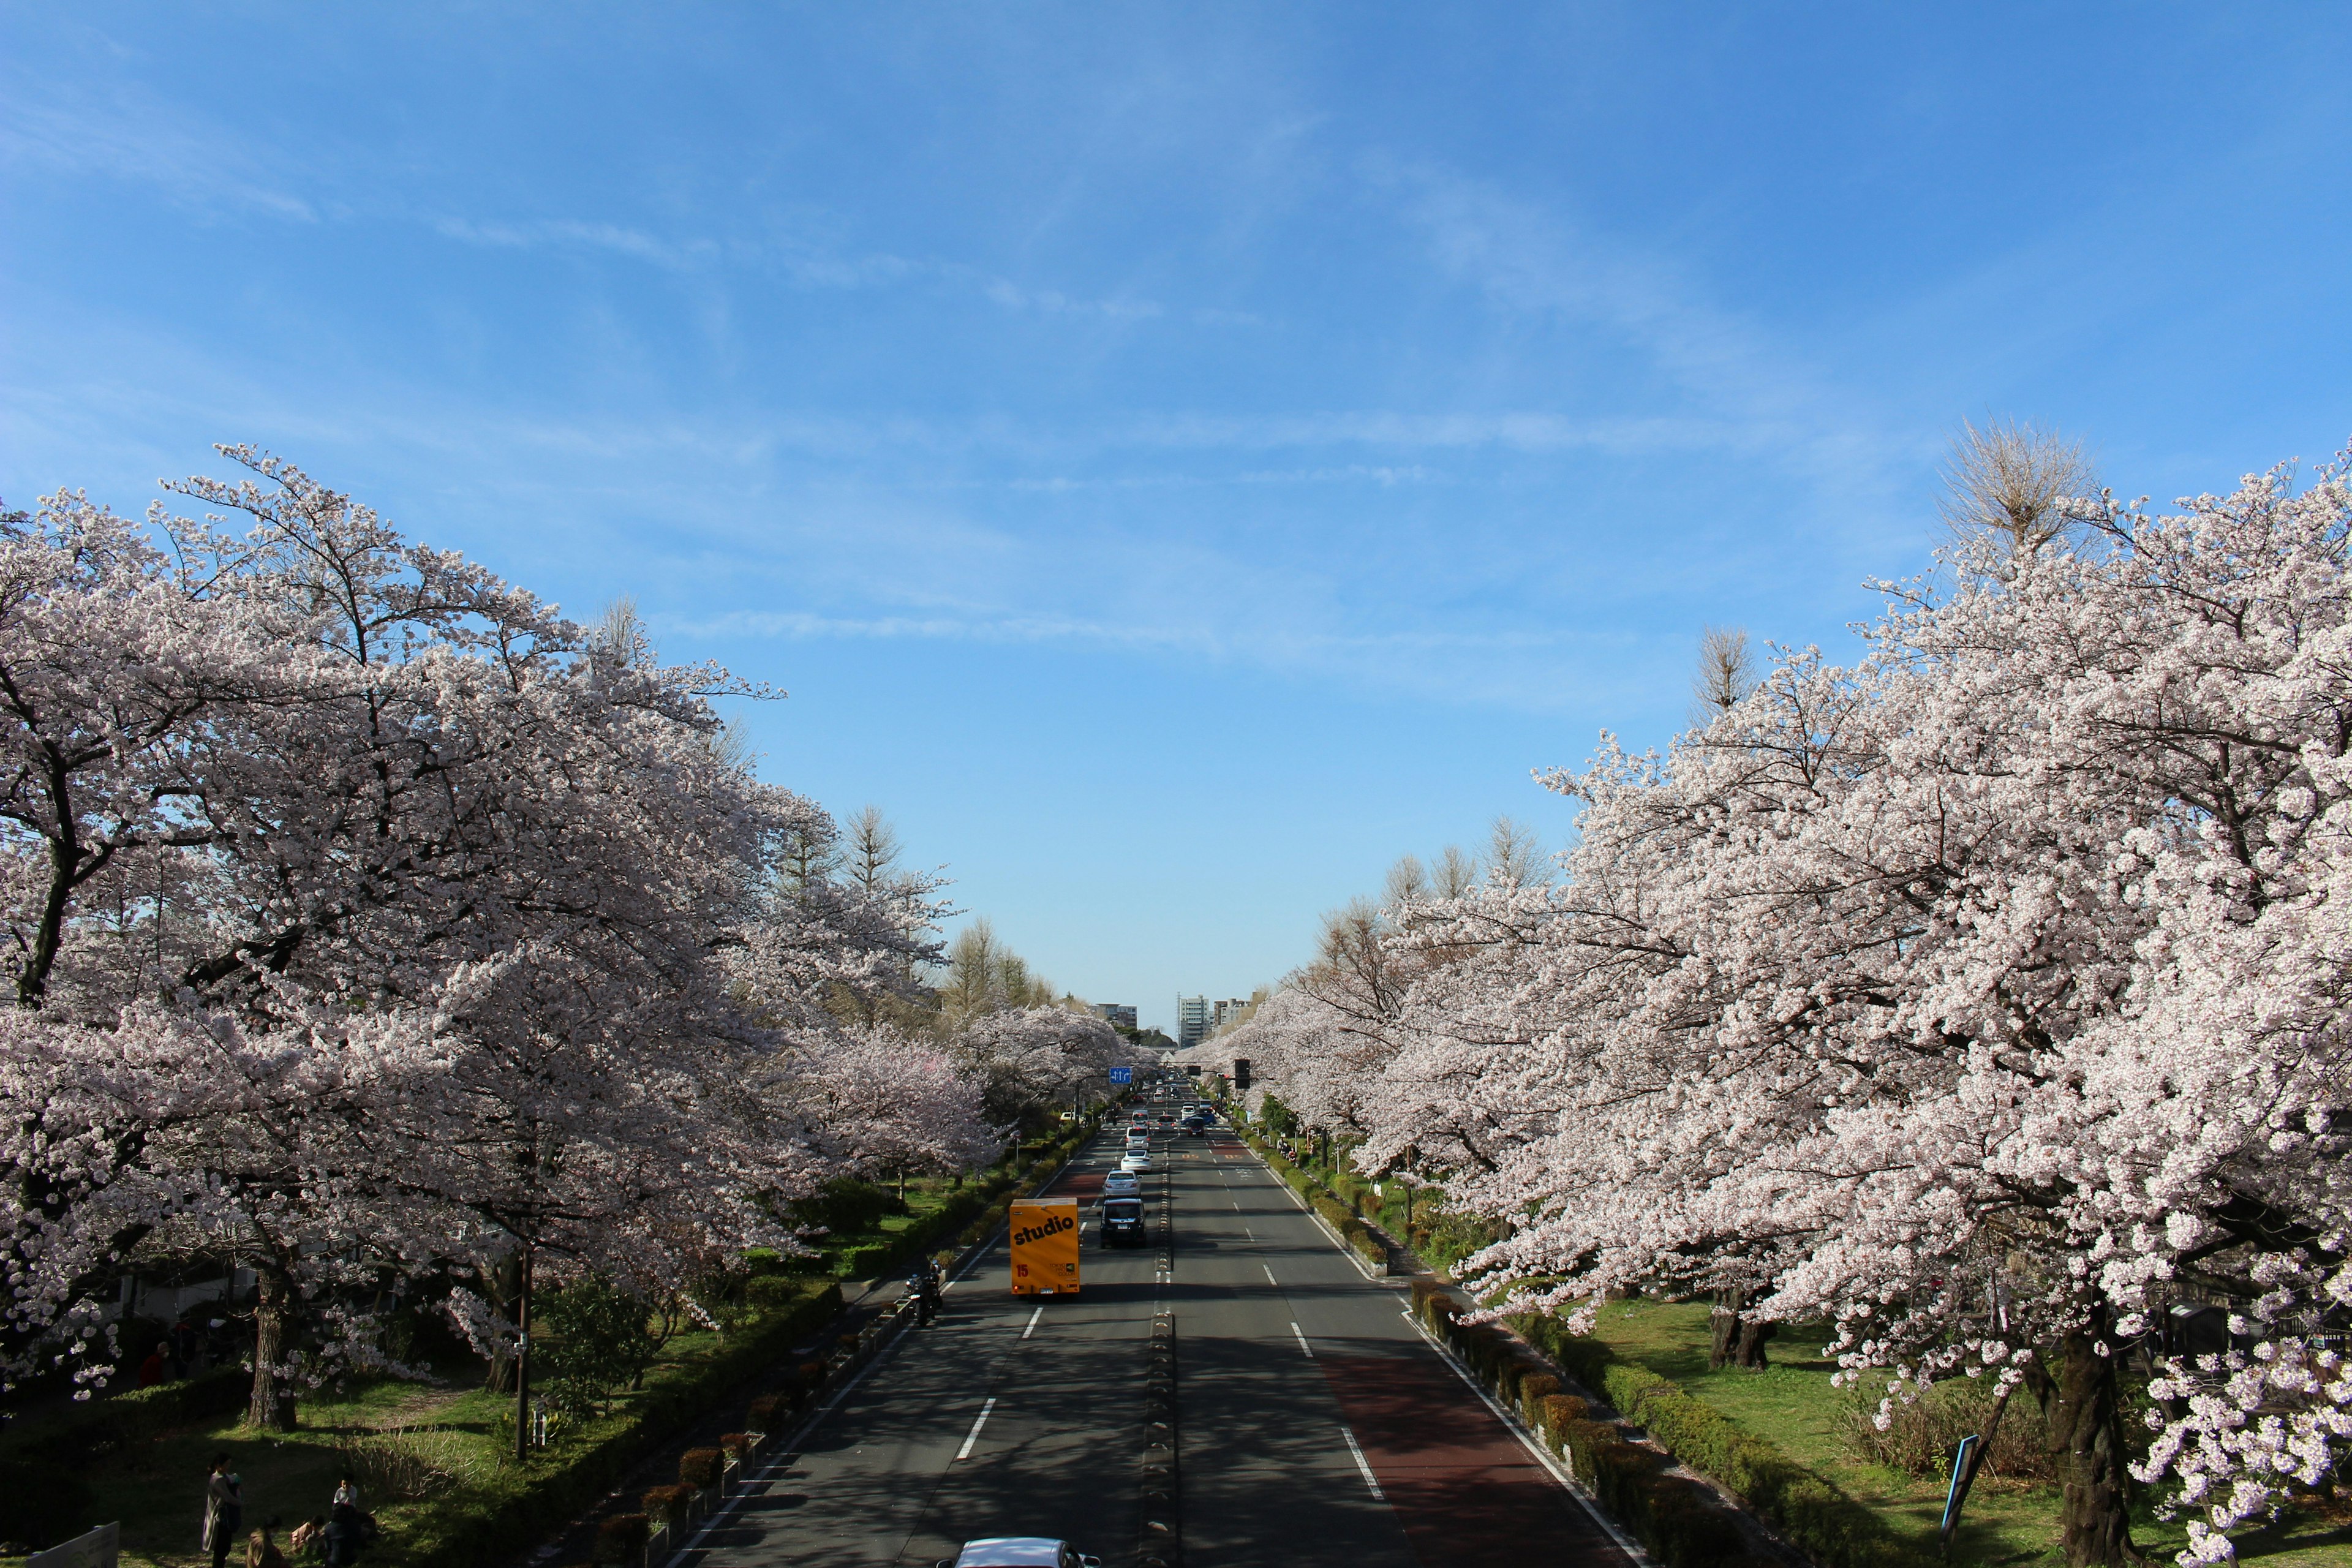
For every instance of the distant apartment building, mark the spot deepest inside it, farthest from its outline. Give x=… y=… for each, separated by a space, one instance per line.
x=1193 y=1021
x=1117 y=1015
x=1226 y=1015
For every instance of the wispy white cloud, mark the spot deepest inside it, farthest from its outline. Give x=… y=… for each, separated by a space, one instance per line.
x=804 y=263
x=127 y=135
x=1758 y=394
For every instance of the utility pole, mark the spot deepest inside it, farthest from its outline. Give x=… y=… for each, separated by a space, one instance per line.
x=522 y=1364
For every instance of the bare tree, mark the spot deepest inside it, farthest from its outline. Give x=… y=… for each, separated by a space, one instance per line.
x=1457 y=872
x=873 y=848
x=2010 y=479
x=1726 y=675
x=969 y=988
x=1513 y=853
x=983 y=975
x=810 y=856
x=1407 y=881
x=620 y=634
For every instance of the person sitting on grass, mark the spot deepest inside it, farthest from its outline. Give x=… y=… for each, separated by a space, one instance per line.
x=306 y=1536
x=347 y=1530
x=260 y=1551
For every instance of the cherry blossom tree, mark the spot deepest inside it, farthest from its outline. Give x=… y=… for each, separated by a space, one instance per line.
x=1027 y=1058
x=370 y=918
x=1983 y=998
x=886 y=1102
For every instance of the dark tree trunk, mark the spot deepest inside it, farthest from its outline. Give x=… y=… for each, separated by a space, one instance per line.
x=1736 y=1339
x=2084 y=1407
x=271 y=1406
x=501 y=1285
x=1724 y=1326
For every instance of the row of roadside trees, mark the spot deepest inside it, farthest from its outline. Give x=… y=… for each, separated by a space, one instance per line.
x=1977 y=998
x=375 y=928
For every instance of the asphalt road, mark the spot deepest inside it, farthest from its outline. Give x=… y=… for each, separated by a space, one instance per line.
x=1316 y=1426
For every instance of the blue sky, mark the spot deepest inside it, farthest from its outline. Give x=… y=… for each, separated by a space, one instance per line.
x=1176 y=457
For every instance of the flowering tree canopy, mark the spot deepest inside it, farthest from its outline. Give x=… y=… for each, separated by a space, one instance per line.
x=1981 y=998
x=369 y=919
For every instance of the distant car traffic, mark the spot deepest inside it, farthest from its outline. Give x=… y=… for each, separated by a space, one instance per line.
x=1019 y=1551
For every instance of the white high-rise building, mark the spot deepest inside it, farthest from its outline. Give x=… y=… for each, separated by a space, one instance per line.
x=1193 y=1021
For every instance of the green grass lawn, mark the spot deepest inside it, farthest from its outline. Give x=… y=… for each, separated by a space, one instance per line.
x=156 y=1490
x=1793 y=1405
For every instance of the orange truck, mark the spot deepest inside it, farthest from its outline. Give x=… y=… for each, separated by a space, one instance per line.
x=1045 y=1246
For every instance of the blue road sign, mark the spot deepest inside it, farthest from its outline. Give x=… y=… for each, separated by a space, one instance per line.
x=1122 y=1075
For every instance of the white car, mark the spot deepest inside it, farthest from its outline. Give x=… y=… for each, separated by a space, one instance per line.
x=1121 y=1183
x=1019 y=1551
x=1136 y=1159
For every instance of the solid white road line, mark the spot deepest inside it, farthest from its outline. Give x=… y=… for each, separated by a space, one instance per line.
x=981 y=1420
x=1302 y=1341
x=1270 y=1279
x=1362 y=1466
x=1033 y=1321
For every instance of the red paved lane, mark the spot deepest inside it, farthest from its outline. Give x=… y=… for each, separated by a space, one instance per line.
x=1467 y=1494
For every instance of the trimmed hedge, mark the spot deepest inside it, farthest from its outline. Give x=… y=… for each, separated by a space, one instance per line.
x=1810 y=1510
x=517 y=1511
x=80 y=1433
x=968 y=1216
x=46 y=1456
x=621 y=1538
x=1676 y=1518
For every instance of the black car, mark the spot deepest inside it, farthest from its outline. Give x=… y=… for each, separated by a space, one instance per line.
x=1122 y=1222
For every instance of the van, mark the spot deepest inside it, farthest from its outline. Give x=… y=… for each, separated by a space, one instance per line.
x=1045 y=1246
x=1122 y=1222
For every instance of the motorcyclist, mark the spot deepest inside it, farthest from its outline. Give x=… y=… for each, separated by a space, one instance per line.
x=923 y=1285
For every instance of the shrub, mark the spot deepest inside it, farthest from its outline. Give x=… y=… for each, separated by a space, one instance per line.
x=1534 y=1387
x=737 y=1443
x=79 y=1434
x=699 y=1468
x=1922 y=1435
x=765 y=1412
x=667 y=1505
x=767 y=1293
x=621 y=1538
x=393 y=1469
x=1555 y=1411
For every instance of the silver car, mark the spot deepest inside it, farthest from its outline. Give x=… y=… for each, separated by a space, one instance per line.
x=1019 y=1551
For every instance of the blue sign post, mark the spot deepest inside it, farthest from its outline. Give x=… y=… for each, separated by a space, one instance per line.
x=1122 y=1075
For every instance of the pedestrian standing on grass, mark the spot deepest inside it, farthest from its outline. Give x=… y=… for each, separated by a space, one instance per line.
x=157 y=1365
x=224 y=1511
